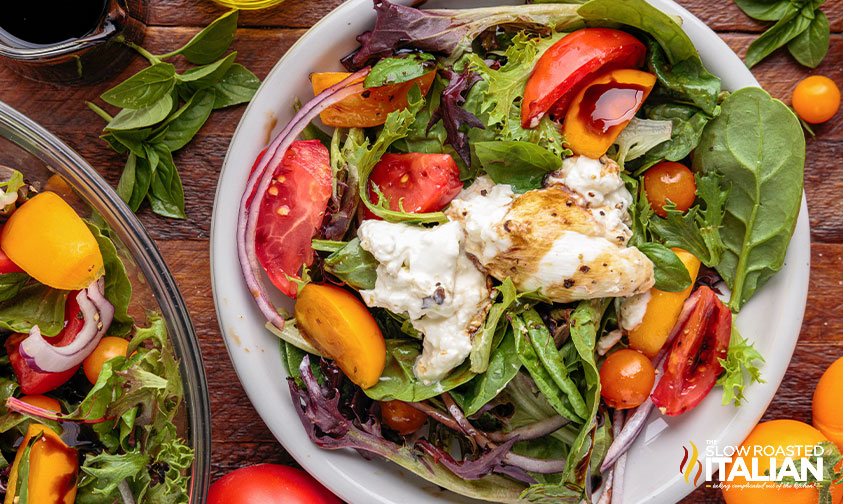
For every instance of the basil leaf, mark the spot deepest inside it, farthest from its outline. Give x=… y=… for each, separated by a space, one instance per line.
x=35 y=304
x=686 y=81
x=118 y=288
x=810 y=47
x=398 y=381
x=353 y=265
x=210 y=43
x=144 y=88
x=11 y=284
x=129 y=119
x=238 y=85
x=190 y=119
x=166 y=194
x=399 y=69
x=671 y=274
x=789 y=26
x=758 y=146
x=208 y=75
x=522 y=165
x=639 y=14
x=765 y=10
x=133 y=140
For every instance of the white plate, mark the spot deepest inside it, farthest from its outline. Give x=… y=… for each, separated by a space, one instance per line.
x=772 y=319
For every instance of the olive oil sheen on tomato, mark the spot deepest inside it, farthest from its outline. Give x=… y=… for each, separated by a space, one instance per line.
x=44 y=22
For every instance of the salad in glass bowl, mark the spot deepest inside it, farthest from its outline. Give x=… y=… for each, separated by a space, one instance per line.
x=98 y=403
x=511 y=234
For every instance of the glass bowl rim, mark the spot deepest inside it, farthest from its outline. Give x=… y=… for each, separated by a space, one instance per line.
x=95 y=191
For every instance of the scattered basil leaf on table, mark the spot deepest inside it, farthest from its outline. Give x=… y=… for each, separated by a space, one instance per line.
x=758 y=146
x=163 y=110
x=800 y=24
x=810 y=47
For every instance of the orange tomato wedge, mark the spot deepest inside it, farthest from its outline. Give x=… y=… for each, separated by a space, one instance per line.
x=372 y=105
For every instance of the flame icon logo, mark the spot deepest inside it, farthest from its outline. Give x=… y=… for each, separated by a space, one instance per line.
x=688 y=464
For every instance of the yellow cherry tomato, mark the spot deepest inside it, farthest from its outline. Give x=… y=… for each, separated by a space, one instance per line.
x=816 y=99
x=108 y=348
x=341 y=327
x=773 y=436
x=53 y=468
x=670 y=182
x=43 y=402
x=827 y=405
x=50 y=242
x=626 y=379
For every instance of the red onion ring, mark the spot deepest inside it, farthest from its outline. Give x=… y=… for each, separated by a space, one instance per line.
x=43 y=357
x=260 y=179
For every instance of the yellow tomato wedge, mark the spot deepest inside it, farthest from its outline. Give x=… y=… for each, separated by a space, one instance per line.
x=341 y=327
x=53 y=468
x=827 y=406
x=663 y=311
x=50 y=242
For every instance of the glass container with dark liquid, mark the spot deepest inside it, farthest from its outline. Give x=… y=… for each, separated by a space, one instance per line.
x=68 y=41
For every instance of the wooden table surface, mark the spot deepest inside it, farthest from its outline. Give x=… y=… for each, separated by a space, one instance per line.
x=239 y=436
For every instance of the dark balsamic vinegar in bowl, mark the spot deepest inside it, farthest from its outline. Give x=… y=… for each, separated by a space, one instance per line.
x=39 y=23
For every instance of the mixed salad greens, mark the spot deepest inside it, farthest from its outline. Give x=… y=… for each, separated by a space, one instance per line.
x=501 y=260
x=91 y=407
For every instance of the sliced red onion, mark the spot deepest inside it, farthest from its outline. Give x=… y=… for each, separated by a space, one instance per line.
x=41 y=356
x=535 y=430
x=638 y=418
x=618 y=480
x=259 y=182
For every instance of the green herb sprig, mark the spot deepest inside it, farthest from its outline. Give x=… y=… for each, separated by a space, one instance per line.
x=800 y=24
x=162 y=110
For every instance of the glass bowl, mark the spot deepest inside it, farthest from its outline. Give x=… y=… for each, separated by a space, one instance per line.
x=38 y=154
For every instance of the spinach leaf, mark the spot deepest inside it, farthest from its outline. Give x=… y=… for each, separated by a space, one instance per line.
x=688 y=122
x=686 y=81
x=353 y=265
x=640 y=14
x=35 y=304
x=11 y=284
x=208 y=75
x=210 y=43
x=671 y=274
x=399 y=69
x=765 y=10
x=481 y=342
x=144 y=88
x=237 y=86
x=398 y=381
x=557 y=398
x=522 y=165
x=698 y=229
x=188 y=120
x=129 y=119
x=788 y=27
x=118 y=288
x=758 y=146
x=810 y=47
x=502 y=366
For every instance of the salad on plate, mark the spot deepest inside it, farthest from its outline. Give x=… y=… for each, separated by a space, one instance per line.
x=511 y=234
x=91 y=408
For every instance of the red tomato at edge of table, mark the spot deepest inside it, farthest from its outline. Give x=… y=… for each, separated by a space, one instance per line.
x=269 y=484
x=420 y=182
x=291 y=213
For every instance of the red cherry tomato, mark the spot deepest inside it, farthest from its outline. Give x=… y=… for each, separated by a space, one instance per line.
x=419 y=182
x=7 y=266
x=670 y=181
x=401 y=417
x=269 y=484
x=34 y=382
x=692 y=365
x=571 y=62
x=626 y=379
x=292 y=211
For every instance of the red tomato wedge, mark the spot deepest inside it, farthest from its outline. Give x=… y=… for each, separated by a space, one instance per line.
x=572 y=61
x=292 y=211
x=416 y=182
x=34 y=382
x=692 y=365
x=7 y=266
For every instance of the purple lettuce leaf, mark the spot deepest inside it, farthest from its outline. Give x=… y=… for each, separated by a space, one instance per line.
x=451 y=113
